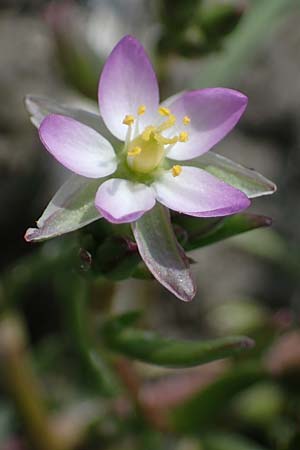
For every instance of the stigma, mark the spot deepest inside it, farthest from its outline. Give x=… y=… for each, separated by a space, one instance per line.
x=134 y=151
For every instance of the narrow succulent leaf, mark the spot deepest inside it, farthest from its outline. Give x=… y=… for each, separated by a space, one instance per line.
x=151 y=348
x=71 y=208
x=196 y=233
x=41 y=107
x=228 y=441
x=252 y=183
x=204 y=407
x=162 y=254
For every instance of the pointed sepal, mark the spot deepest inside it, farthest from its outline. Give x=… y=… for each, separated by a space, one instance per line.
x=252 y=183
x=71 y=208
x=164 y=257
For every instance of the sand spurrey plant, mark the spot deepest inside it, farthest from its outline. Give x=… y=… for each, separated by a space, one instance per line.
x=151 y=164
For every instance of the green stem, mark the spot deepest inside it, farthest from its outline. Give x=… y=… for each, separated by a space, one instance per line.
x=75 y=294
x=21 y=383
x=133 y=384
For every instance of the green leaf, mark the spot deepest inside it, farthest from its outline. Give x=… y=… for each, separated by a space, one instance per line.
x=71 y=208
x=252 y=183
x=162 y=254
x=229 y=441
x=151 y=348
x=196 y=232
x=204 y=407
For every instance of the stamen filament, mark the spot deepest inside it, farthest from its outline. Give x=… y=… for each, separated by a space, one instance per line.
x=145 y=151
x=170 y=122
x=128 y=137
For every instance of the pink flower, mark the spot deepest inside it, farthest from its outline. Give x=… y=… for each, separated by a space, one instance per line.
x=132 y=162
x=157 y=140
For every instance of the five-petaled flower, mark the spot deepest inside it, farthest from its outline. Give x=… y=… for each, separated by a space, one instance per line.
x=159 y=140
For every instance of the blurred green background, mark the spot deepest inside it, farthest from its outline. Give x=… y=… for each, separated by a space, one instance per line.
x=64 y=386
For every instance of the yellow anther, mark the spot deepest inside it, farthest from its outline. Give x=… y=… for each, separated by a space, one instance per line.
x=186 y=120
x=141 y=110
x=183 y=136
x=147 y=132
x=176 y=170
x=163 y=111
x=128 y=120
x=134 y=151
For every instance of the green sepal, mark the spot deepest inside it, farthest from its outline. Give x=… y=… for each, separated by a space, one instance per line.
x=164 y=257
x=40 y=107
x=252 y=183
x=71 y=208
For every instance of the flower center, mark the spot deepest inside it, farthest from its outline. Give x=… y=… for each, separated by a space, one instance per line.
x=146 y=151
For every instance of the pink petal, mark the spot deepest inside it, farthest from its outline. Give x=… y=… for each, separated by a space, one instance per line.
x=197 y=193
x=127 y=82
x=77 y=146
x=213 y=113
x=122 y=201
